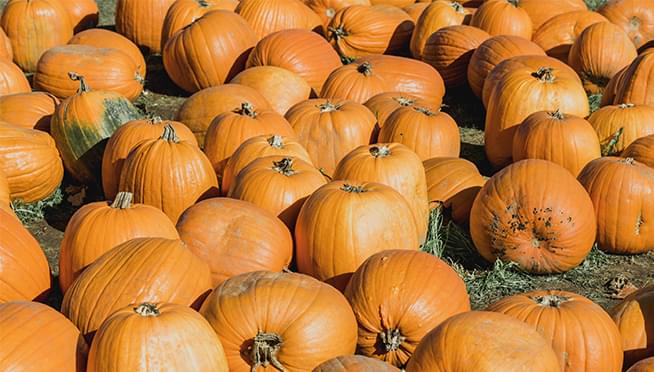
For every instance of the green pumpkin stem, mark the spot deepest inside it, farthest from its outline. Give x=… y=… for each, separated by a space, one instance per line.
x=391 y=339
x=380 y=151
x=169 y=134
x=276 y=141
x=610 y=147
x=353 y=189
x=147 y=309
x=425 y=111
x=82 y=82
x=551 y=300
x=338 y=32
x=123 y=200
x=284 y=166
x=263 y=351
x=545 y=74
x=404 y=101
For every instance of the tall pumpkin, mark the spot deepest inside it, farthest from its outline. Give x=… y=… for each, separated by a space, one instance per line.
x=635 y=17
x=28 y=110
x=503 y=17
x=633 y=316
x=617 y=126
x=354 y=363
x=101 y=38
x=636 y=81
x=641 y=150
x=437 y=14
x=141 y=21
x=12 y=80
x=268 y=16
x=83 y=14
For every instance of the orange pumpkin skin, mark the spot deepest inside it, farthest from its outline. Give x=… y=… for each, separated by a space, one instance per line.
x=329 y=129
x=438 y=14
x=557 y=315
x=140 y=337
x=608 y=95
x=199 y=110
x=5 y=46
x=414 y=11
x=534 y=212
x=268 y=16
x=142 y=21
x=645 y=365
x=542 y=11
x=5 y=194
x=617 y=126
x=25 y=274
x=184 y=12
x=383 y=105
x=83 y=14
x=270 y=311
x=357 y=81
x=503 y=17
x=633 y=317
x=394 y=309
x=235 y=237
x=101 y=38
x=326 y=9
x=636 y=82
x=28 y=110
x=30 y=161
x=641 y=150
x=166 y=270
x=97 y=227
x=34 y=26
x=205 y=43
x=612 y=180
x=491 y=341
x=635 y=17
x=58 y=342
x=12 y=80
x=566 y=140
x=301 y=51
x=354 y=363
x=327 y=252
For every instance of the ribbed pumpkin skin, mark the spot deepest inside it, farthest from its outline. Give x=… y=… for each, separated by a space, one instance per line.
x=141 y=21
x=30 y=161
x=97 y=227
x=388 y=296
x=184 y=12
x=361 y=30
x=491 y=342
x=300 y=51
x=382 y=106
x=557 y=35
x=625 y=188
x=536 y=214
x=641 y=150
x=282 y=305
x=24 y=274
x=414 y=11
x=633 y=317
x=83 y=14
x=635 y=17
x=438 y=14
x=633 y=120
x=608 y=96
x=354 y=363
x=34 y=26
x=357 y=81
x=377 y=218
x=101 y=38
x=637 y=81
x=205 y=43
x=502 y=17
x=28 y=110
x=129 y=341
x=566 y=140
x=105 y=69
x=5 y=46
x=582 y=334
x=12 y=80
x=645 y=365
x=326 y=9
x=58 y=343
x=235 y=237
x=139 y=270
x=5 y=194
x=268 y=16
x=542 y=11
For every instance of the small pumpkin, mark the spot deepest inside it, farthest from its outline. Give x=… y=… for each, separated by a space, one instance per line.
x=354 y=363
x=437 y=14
x=503 y=17
x=635 y=17
x=268 y=16
x=101 y=38
x=634 y=84
x=12 y=80
x=142 y=21
x=617 y=126
x=28 y=110
x=641 y=150
x=83 y=14
x=633 y=317
x=326 y=9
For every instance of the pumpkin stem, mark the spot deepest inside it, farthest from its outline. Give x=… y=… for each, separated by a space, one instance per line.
x=391 y=339
x=284 y=166
x=550 y=300
x=140 y=79
x=82 y=82
x=424 y=110
x=629 y=161
x=365 y=68
x=276 y=141
x=544 y=74
x=338 y=32
x=380 y=151
x=263 y=351
x=169 y=134
x=626 y=105
x=324 y=174
x=155 y=120
x=353 y=189
x=457 y=7
x=330 y=12
x=203 y=3
x=123 y=200
x=328 y=107
x=557 y=114
x=147 y=309
x=404 y=101
x=247 y=109
x=513 y=2
x=609 y=148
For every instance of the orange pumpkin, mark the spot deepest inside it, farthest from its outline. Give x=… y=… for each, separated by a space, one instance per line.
x=438 y=14
x=503 y=17
x=326 y=9
x=83 y=14
x=101 y=38
x=184 y=12
x=5 y=194
x=542 y=11
x=383 y=105
x=633 y=317
x=641 y=150
x=634 y=84
x=28 y=110
x=12 y=80
x=645 y=365
x=356 y=81
x=414 y=11
x=608 y=95
x=5 y=46
x=617 y=126
x=142 y=21
x=268 y=16
x=354 y=363
x=635 y=17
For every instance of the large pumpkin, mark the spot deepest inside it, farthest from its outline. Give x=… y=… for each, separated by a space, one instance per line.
x=635 y=17
x=617 y=126
x=12 y=80
x=641 y=150
x=503 y=17
x=357 y=81
x=535 y=213
x=268 y=16
x=354 y=363
x=636 y=81
x=394 y=309
x=382 y=106
x=542 y=11
x=326 y=9
x=97 y=227
x=438 y=14
x=28 y=110
x=83 y=14
x=633 y=317
x=141 y=21
x=101 y=38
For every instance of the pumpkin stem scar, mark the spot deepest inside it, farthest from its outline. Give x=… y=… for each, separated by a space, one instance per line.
x=391 y=339
x=123 y=200
x=365 y=68
x=550 y=300
x=264 y=349
x=147 y=309
x=276 y=141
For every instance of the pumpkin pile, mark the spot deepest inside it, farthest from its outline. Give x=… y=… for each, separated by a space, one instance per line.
x=277 y=220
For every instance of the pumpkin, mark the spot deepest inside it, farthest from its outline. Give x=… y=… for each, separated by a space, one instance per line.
x=395 y=3
x=617 y=126
x=141 y=21
x=199 y=110
x=542 y=11
x=633 y=317
x=34 y=26
x=105 y=69
x=454 y=184
x=645 y=365
x=566 y=140
x=300 y=51
x=635 y=17
x=582 y=334
x=25 y=274
x=82 y=123
x=289 y=181
x=259 y=147
x=608 y=95
x=5 y=194
x=31 y=163
x=97 y=227
x=263 y=318
x=125 y=139
x=641 y=150
x=635 y=83
x=141 y=338
x=5 y=46
x=12 y=80
x=83 y=14
x=235 y=237
x=361 y=30
x=503 y=17
x=394 y=309
x=414 y=11
x=326 y=9
x=600 y=52
x=438 y=14
x=621 y=187
x=383 y=105
x=490 y=341
x=139 y=270
x=268 y=16
x=377 y=217
x=557 y=35
x=356 y=81
x=58 y=341
x=492 y=52
x=449 y=51
x=28 y=110
x=184 y=12
x=329 y=129
x=354 y=363
x=100 y=38
x=173 y=185
x=520 y=86
x=205 y=43
x=535 y=213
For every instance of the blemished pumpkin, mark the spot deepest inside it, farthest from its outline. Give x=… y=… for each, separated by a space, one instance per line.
x=394 y=310
x=271 y=314
x=268 y=16
x=184 y=12
x=141 y=21
x=621 y=187
x=645 y=365
x=83 y=14
x=58 y=342
x=12 y=80
x=140 y=337
x=326 y=9
x=378 y=218
x=503 y=17
x=534 y=213
x=582 y=334
x=633 y=316
x=491 y=342
x=101 y=38
x=635 y=83
x=437 y=14
x=617 y=126
x=28 y=110
x=139 y=270
x=99 y=226
x=24 y=274
x=34 y=26
x=635 y=17
x=5 y=46
x=641 y=150
x=382 y=106
x=354 y=363
x=542 y=11
x=235 y=237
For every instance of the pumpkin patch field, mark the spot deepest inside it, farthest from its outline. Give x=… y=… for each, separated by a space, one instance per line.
x=327 y=185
